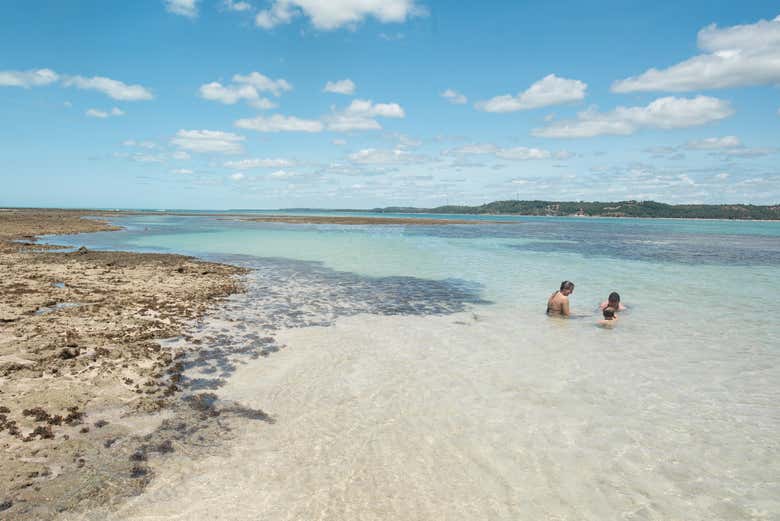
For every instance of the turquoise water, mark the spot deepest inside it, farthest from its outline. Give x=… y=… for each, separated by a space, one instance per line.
x=424 y=352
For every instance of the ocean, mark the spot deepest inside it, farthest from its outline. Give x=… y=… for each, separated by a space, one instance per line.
x=411 y=372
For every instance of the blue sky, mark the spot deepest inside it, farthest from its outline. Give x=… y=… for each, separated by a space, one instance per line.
x=219 y=104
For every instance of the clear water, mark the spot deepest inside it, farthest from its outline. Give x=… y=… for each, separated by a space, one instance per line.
x=421 y=379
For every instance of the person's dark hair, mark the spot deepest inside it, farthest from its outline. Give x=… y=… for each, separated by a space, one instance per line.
x=609 y=313
x=566 y=284
x=614 y=298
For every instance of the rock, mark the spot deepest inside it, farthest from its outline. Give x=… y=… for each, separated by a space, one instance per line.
x=6 y=504
x=82 y=251
x=69 y=352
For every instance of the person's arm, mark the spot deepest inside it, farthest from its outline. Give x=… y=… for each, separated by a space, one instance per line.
x=565 y=308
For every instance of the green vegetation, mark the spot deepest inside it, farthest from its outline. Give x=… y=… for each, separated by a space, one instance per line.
x=613 y=209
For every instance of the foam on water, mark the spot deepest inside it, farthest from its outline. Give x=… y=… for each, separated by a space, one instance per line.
x=420 y=380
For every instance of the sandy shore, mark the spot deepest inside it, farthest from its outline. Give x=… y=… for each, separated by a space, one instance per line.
x=80 y=368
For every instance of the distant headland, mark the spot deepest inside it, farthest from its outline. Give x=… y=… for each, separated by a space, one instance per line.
x=608 y=209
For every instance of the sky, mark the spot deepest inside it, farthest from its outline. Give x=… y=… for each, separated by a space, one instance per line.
x=228 y=104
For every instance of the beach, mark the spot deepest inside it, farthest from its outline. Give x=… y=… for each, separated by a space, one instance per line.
x=79 y=357
x=299 y=369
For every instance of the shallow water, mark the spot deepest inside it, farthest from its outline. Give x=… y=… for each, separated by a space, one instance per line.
x=421 y=380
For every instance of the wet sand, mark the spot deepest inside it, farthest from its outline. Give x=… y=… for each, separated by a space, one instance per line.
x=83 y=380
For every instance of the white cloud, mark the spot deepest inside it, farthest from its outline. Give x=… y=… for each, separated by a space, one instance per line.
x=111 y=88
x=473 y=149
x=209 y=141
x=284 y=174
x=372 y=156
x=454 y=97
x=180 y=155
x=182 y=171
x=246 y=88
x=523 y=153
x=246 y=164
x=733 y=56
x=714 y=143
x=280 y=123
x=346 y=86
x=550 y=90
x=392 y=37
x=188 y=8
x=102 y=114
x=511 y=154
x=150 y=145
x=231 y=5
x=360 y=114
x=231 y=94
x=664 y=113
x=238 y=176
x=27 y=79
x=333 y=14
x=339 y=142
x=263 y=83
x=749 y=152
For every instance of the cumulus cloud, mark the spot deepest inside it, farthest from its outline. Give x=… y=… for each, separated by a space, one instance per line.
x=333 y=14
x=208 y=141
x=188 y=8
x=346 y=86
x=664 y=113
x=454 y=97
x=231 y=94
x=526 y=154
x=112 y=88
x=511 y=153
x=245 y=88
x=238 y=176
x=284 y=174
x=734 y=56
x=714 y=143
x=27 y=79
x=149 y=145
x=550 y=90
x=263 y=83
x=246 y=164
x=280 y=123
x=102 y=114
x=231 y=5
x=361 y=114
x=373 y=156
x=749 y=152
x=182 y=171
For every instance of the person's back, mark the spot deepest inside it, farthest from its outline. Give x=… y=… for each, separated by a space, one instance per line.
x=610 y=318
x=558 y=303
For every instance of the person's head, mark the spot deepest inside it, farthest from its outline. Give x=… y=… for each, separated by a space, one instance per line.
x=567 y=287
x=609 y=313
x=614 y=299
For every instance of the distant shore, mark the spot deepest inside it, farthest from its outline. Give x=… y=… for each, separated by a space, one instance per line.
x=323 y=219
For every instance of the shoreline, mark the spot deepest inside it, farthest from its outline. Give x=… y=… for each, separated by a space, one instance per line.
x=413 y=220
x=82 y=373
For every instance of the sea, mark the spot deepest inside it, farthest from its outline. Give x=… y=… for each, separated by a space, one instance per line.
x=411 y=372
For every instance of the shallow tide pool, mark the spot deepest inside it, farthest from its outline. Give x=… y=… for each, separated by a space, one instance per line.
x=422 y=380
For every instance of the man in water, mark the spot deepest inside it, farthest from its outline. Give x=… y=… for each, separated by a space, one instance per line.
x=558 y=303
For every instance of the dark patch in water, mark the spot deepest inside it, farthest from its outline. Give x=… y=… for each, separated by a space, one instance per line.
x=744 y=250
